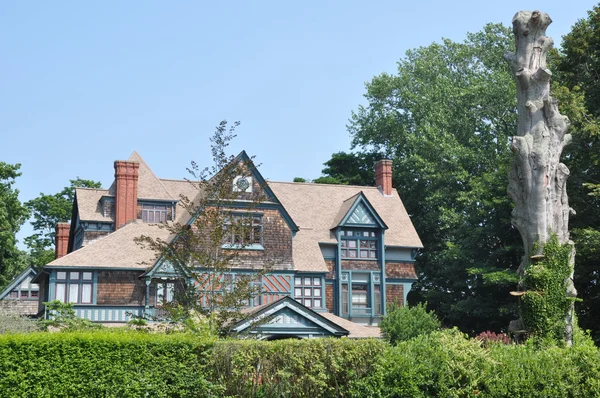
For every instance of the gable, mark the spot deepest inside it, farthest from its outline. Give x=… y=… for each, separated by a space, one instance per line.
x=287 y=317
x=357 y=211
x=25 y=277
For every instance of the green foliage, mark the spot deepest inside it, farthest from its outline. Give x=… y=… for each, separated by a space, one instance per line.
x=121 y=363
x=12 y=322
x=587 y=244
x=299 y=179
x=445 y=119
x=448 y=364
x=212 y=245
x=12 y=215
x=403 y=323
x=292 y=368
x=545 y=305
x=47 y=210
x=62 y=316
x=104 y=364
x=350 y=169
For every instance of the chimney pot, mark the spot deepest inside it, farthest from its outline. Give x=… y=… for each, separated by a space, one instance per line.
x=383 y=176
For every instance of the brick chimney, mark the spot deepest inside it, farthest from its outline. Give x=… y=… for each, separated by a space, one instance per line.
x=383 y=176
x=61 y=243
x=126 y=184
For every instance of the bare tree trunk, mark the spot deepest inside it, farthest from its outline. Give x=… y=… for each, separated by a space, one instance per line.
x=537 y=179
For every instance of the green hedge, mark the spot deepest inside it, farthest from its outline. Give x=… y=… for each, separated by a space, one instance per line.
x=293 y=368
x=441 y=364
x=449 y=364
x=103 y=364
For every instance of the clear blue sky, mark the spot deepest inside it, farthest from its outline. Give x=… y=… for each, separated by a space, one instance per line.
x=85 y=83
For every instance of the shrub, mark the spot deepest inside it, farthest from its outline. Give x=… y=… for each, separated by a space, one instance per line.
x=62 y=316
x=104 y=364
x=293 y=368
x=487 y=338
x=12 y=322
x=403 y=323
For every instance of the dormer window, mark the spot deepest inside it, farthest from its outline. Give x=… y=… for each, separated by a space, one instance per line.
x=359 y=244
x=154 y=213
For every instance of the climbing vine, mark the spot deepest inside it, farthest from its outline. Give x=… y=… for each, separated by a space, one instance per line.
x=545 y=306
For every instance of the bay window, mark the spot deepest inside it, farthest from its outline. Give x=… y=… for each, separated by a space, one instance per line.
x=74 y=287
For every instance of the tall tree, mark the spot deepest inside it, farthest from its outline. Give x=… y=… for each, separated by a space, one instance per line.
x=47 y=211
x=578 y=70
x=208 y=249
x=445 y=119
x=538 y=186
x=12 y=215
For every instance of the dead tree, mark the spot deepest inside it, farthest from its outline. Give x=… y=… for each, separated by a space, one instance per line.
x=537 y=179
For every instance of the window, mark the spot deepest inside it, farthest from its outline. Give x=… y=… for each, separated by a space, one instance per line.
x=307 y=290
x=73 y=287
x=243 y=230
x=154 y=213
x=25 y=290
x=165 y=293
x=359 y=298
x=356 y=244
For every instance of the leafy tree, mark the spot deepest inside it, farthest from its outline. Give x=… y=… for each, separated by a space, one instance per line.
x=577 y=68
x=47 y=211
x=445 y=120
x=12 y=215
x=350 y=169
x=403 y=323
x=208 y=249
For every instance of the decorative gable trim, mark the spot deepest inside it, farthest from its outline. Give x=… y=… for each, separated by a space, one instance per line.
x=166 y=269
x=361 y=214
x=282 y=310
x=17 y=281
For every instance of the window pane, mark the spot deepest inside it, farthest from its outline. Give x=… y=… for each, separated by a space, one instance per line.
x=33 y=294
x=297 y=281
x=352 y=243
x=60 y=292
x=307 y=282
x=364 y=244
x=170 y=291
x=14 y=294
x=317 y=303
x=74 y=275
x=317 y=292
x=344 y=253
x=308 y=302
x=344 y=243
x=24 y=294
x=317 y=281
x=87 y=276
x=61 y=275
x=352 y=253
x=298 y=292
x=365 y=233
x=307 y=291
x=73 y=293
x=364 y=254
x=86 y=293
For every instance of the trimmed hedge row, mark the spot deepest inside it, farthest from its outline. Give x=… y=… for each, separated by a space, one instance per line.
x=441 y=364
x=103 y=364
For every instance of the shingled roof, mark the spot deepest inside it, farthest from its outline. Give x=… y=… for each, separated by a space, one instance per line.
x=116 y=250
x=315 y=207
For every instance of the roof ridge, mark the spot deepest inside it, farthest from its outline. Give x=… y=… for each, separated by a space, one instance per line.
x=322 y=185
x=92 y=189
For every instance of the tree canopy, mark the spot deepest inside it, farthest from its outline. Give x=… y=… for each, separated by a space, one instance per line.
x=12 y=215
x=47 y=211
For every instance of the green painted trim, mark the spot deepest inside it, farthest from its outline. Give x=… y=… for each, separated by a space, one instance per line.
x=337 y=307
x=90 y=268
x=94 y=287
x=407 y=287
x=382 y=290
x=18 y=279
x=51 y=285
x=363 y=199
x=399 y=281
x=242 y=247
